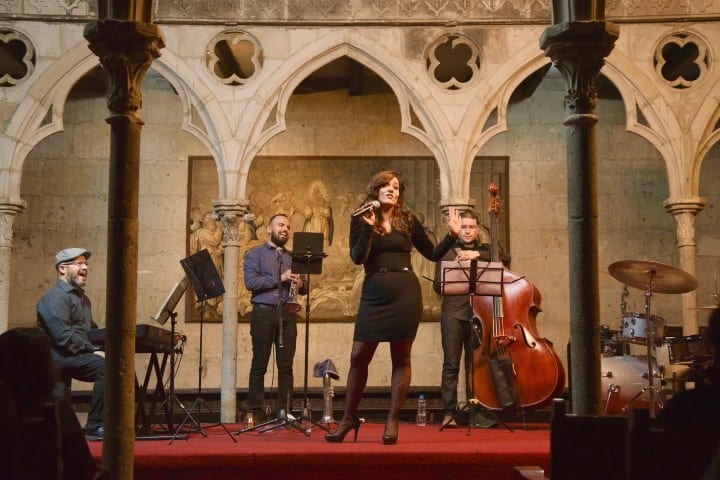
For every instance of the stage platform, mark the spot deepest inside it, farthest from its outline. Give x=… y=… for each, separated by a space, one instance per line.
x=289 y=454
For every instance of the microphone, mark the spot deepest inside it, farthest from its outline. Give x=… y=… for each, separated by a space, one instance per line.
x=366 y=208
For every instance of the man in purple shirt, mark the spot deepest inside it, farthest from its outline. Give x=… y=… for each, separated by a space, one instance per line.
x=267 y=270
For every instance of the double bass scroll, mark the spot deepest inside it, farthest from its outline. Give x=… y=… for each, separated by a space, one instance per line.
x=511 y=350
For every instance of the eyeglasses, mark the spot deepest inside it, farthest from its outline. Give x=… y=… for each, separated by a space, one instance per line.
x=80 y=264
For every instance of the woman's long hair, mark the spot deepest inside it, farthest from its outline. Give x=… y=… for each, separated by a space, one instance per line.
x=400 y=217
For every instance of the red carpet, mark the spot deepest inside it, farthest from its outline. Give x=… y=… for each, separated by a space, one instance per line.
x=287 y=454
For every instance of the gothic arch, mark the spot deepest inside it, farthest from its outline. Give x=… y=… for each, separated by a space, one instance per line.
x=495 y=97
x=40 y=113
x=274 y=95
x=682 y=151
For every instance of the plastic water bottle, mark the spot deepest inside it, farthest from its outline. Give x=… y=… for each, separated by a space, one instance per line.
x=421 y=411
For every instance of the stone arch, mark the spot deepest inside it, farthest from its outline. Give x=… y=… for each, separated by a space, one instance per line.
x=198 y=100
x=681 y=151
x=495 y=97
x=40 y=113
x=274 y=95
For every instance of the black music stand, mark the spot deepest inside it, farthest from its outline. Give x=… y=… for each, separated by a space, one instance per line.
x=165 y=313
x=473 y=278
x=206 y=281
x=307 y=258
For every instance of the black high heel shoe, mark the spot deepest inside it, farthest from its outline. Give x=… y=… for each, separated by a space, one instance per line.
x=390 y=435
x=345 y=426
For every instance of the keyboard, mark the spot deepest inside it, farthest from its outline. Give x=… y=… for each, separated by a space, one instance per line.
x=148 y=339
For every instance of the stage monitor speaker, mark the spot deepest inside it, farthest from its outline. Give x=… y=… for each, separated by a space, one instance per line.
x=203 y=275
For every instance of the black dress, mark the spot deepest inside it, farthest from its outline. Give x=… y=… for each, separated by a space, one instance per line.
x=391 y=303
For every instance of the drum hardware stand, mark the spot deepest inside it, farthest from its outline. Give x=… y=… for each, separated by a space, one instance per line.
x=650 y=351
x=489 y=287
x=207 y=273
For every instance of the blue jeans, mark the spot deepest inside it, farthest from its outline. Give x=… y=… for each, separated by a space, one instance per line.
x=455 y=327
x=264 y=323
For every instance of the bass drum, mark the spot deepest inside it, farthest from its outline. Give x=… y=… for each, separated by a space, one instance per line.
x=625 y=381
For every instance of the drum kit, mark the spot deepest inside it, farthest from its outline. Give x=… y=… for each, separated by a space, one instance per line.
x=629 y=380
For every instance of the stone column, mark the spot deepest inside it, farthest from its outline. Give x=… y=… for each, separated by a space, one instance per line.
x=126 y=50
x=459 y=203
x=231 y=213
x=685 y=212
x=8 y=210
x=578 y=42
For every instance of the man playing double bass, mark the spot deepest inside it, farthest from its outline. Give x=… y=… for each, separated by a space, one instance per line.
x=456 y=323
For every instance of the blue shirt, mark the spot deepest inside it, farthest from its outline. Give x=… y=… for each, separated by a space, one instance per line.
x=262 y=268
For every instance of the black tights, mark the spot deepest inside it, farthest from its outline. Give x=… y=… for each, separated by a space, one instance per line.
x=362 y=354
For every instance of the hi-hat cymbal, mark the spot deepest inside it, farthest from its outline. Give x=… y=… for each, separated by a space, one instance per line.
x=664 y=278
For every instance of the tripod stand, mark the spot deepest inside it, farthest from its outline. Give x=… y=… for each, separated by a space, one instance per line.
x=206 y=282
x=472 y=278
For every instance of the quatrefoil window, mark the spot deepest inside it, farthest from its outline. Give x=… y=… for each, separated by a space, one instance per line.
x=234 y=57
x=17 y=58
x=682 y=59
x=453 y=61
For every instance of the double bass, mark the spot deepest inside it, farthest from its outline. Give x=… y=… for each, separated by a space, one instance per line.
x=513 y=367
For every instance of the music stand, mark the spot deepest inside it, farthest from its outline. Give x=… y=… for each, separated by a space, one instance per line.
x=165 y=313
x=206 y=281
x=473 y=278
x=307 y=258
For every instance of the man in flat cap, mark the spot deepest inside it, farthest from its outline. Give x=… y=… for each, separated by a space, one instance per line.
x=64 y=313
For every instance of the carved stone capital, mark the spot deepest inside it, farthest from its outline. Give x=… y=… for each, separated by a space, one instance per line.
x=231 y=213
x=685 y=212
x=8 y=211
x=578 y=51
x=126 y=50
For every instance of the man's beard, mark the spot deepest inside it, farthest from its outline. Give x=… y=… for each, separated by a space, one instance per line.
x=279 y=241
x=76 y=282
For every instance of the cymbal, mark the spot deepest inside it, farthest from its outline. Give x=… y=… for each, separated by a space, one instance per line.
x=707 y=307
x=665 y=278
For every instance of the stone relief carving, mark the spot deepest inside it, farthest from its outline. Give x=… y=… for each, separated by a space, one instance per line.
x=332 y=11
x=206 y=233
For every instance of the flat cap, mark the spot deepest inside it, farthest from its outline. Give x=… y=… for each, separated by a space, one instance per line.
x=69 y=254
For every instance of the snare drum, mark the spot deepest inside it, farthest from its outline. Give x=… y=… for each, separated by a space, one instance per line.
x=625 y=380
x=690 y=349
x=635 y=328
